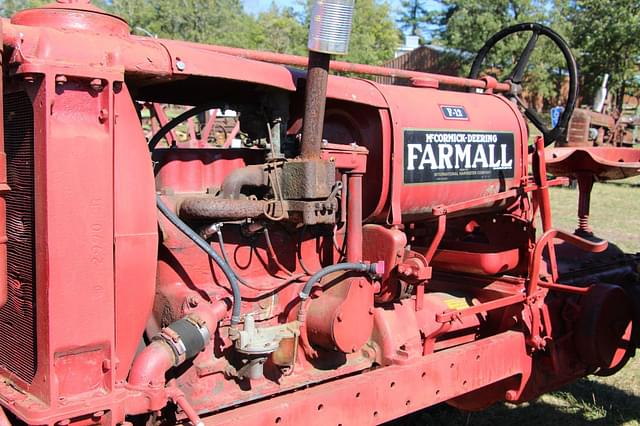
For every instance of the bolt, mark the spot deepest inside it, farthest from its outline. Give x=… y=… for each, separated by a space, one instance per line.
x=103 y=115
x=339 y=317
x=106 y=365
x=61 y=79
x=370 y=311
x=510 y=395
x=193 y=301
x=98 y=415
x=96 y=84
x=353 y=349
x=29 y=78
x=180 y=65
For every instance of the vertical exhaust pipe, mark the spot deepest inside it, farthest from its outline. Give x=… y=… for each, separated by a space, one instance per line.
x=3 y=184
x=329 y=34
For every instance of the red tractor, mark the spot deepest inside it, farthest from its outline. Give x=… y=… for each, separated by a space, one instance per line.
x=360 y=252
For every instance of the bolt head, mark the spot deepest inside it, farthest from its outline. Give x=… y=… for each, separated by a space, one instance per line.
x=96 y=84
x=181 y=66
x=510 y=395
x=103 y=115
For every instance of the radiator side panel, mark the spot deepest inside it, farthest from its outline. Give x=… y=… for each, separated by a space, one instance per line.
x=18 y=316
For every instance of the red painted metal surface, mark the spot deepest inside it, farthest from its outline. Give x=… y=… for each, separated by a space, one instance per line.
x=410 y=110
x=115 y=313
x=603 y=162
x=381 y=395
x=3 y=190
x=348 y=67
x=588 y=164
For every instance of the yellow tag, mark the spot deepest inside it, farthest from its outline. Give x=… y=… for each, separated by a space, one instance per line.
x=456 y=304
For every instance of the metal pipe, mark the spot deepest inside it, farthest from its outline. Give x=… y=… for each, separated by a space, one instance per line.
x=362 y=267
x=149 y=368
x=140 y=45
x=437 y=239
x=329 y=33
x=209 y=208
x=585 y=185
x=272 y=253
x=544 y=200
x=564 y=288
x=540 y=175
x=536 y=259
x=151 y=364
x=348 y=67
x=314 y=104
x=354 y=218
x=239 y=178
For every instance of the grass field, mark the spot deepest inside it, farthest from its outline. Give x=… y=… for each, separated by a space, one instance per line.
x=615 y=215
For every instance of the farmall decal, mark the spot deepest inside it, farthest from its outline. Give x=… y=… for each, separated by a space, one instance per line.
x=441 y=156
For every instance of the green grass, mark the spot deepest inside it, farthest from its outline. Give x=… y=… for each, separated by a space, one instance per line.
x=615 y=400
x=614 y=215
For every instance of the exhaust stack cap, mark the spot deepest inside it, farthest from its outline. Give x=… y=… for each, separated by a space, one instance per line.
x=331 y=26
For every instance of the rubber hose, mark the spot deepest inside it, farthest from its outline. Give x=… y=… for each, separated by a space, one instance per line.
x=223 y=251
x=176 y=121
x=369 y=268
x=200 y=242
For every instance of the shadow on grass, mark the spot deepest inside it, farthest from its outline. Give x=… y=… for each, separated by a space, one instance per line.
x=584 y=402
x=633 y=184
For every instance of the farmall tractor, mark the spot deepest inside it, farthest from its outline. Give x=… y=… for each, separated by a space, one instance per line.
x=362 y=252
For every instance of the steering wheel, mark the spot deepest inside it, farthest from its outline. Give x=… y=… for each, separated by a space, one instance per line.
x=517 y=75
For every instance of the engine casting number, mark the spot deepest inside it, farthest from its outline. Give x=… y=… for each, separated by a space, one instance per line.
x=445 y=156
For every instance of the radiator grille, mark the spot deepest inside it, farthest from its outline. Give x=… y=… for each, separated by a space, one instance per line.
x=18 y=316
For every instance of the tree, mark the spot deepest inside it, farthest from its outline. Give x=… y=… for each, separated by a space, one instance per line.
x=279 y=30
x=374 y=36
x=606 y=33
x=203 y=21
x=9 y=7
x=413 y=16
x=465 y=25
